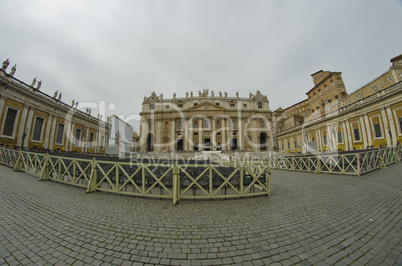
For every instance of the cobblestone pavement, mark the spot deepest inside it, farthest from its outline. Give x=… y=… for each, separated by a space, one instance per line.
x=309 y=219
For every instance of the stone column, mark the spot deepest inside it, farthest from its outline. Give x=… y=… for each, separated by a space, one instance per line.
x=369 y=137
x=345 y=135
x=255 y=136
x=173 y=135
x=187 y=140
x=391 y=126
x=223 y=132
x=319 y=143
x=2 y=102
x=47 y=132
x=53 y=133
x=158 y=135
x=23 y=121
x=240 y=132
x=365 y=143
x=350 y=136
x=213 y=133
x=200 y=139
x=386 y=127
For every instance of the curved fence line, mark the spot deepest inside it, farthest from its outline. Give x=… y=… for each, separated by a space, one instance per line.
x=171 y=181
x=354 y=163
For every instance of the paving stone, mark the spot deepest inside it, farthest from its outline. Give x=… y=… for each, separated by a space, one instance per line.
x=308 y=220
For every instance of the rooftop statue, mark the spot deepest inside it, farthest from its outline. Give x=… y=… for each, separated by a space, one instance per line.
x=55 y=94
x=33 y=82
x=5 y=64
x=212 y=94
x=39 y=85
x=59 y=98
x=13 y=69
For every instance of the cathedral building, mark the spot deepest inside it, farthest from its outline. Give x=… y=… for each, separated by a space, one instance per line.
x=206 y=122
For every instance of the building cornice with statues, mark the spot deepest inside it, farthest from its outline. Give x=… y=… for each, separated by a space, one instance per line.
x=206 y=121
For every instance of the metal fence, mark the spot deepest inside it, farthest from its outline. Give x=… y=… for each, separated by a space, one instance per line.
x=172 y=181
x=351 y=163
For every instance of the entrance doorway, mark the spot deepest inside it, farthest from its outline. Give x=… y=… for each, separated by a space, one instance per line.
x=179 y=145
x=263 y=141
x=207 y=144
x=150 y=142
x=233 y=144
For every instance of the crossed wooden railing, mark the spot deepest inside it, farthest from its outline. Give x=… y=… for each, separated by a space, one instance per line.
x=172 y=181
x=353 y=163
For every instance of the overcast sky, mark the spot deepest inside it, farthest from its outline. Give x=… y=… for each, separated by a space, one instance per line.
x=120 y=51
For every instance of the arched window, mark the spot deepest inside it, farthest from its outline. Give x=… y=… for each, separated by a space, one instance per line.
x=218 y=124
x=180 y=125
x=233 y=124
x=206 y=124
x=262 y=124
x=195 y=124
x=150 y=126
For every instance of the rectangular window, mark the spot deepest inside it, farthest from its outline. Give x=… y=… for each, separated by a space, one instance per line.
x=325 y=140
x=10 y=121
x=37 y=129
x=377 y=130
x=374 y=88
x=340 y=140
x=400 y=124
x=295 y=144
x=381 y=84
x=389 y=77
x=289 y=145
x=259 y=105
x=59 y=134
x=232 y=105
x=357 y=134
x=151 y=106
x=91 y=139
x=77 y=137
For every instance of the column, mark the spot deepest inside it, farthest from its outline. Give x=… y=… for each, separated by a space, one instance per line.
x=213 y=134
x=391 y=126
x=386 y=127
x=173 y=134
x=319 y=143
x=2 y=102
x=369 y=137
x=365 y=143
x=223 y=131
x=345 y=136
x=256 y=143
x=271 y=134
x=158 y=135
x=53 y=133
x=186 y=137
x=23 y=121
x=200 y=127
x=47 y=132
x=350 y=136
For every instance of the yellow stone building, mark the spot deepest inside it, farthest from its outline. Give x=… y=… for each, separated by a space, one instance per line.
x=32 y=119
x=370 y=117
x=206 y=122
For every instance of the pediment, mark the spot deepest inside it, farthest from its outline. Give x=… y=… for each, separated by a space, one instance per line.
x=206 y=106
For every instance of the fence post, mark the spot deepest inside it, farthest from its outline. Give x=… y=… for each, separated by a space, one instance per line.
x=19 y=163
x=358 y=171
x=46 y=169
x=318 y=167
x=268 y=178
x=176 y=183
x=94 y=177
